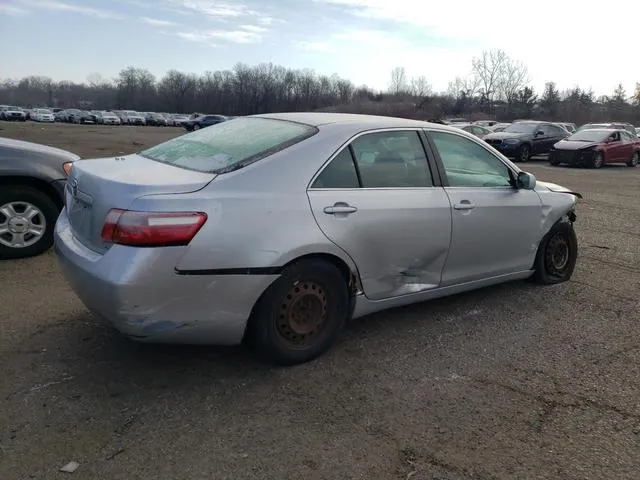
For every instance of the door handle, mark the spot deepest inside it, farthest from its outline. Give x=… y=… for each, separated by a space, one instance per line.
x=464 y=205
x=339 y=208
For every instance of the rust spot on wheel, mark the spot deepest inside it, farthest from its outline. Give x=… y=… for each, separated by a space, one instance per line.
x=302 y=315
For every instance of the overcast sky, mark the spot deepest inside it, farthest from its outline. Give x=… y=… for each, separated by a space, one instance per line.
x=594 y=45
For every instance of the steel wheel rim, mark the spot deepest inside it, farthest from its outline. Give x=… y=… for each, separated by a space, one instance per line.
x=557 y=254
x=524 y=154
x=598 y=162
x=302 y=314
x=22 y=224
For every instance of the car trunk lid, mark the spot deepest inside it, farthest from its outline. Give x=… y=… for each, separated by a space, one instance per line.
x=96 y=186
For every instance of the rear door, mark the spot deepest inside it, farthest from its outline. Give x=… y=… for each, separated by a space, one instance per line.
x=378 y=201
x=628 y=145
x=495 y=226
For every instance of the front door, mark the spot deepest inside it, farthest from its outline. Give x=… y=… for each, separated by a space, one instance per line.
x=377 y=200
x=495 y=226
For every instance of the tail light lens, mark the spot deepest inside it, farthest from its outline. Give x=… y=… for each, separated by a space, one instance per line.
x=151 y=229
x=67 y=167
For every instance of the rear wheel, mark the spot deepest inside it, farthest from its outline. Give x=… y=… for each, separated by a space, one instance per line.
x=301 y=314
x=633 y=161
x=557 y=255
x=27 y=221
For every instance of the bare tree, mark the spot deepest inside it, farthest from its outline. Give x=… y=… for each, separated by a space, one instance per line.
x=398 y=83
x=420 y=87
x=489 y=70
x=513 y=77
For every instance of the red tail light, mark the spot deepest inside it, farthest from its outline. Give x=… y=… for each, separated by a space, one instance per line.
x=151 y=229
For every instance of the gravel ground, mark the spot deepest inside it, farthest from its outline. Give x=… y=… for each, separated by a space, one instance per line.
x=514 y=381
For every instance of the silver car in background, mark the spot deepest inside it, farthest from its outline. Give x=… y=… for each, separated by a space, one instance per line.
x=275 y=229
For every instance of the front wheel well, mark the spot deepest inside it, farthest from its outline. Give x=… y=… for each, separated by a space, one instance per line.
x=36 y=183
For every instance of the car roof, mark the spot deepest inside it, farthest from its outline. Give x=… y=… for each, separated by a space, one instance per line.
x=318 y=119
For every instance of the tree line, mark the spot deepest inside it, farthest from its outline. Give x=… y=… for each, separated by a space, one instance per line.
x=497 y=87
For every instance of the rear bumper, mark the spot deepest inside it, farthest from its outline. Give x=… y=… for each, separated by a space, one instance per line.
x=138 y=291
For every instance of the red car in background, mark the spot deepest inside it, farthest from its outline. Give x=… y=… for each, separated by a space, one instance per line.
x=597 y=147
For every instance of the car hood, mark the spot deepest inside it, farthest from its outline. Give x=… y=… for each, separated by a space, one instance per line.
x=58 y=153
x=553 y=187
x=574 y=145
x=505 y=135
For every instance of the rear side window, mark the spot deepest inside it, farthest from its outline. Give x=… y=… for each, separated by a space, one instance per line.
x=227 y=146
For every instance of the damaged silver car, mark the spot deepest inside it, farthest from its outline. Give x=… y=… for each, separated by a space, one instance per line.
x=275 y=229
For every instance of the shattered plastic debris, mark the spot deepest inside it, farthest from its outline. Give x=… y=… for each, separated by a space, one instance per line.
x=70 y=467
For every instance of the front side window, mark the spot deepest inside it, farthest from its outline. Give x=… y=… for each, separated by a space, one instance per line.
x=468 y=164
x=393 y=159
x=230 y=145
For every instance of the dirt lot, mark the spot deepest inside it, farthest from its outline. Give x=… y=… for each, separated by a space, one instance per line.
x=515 y=381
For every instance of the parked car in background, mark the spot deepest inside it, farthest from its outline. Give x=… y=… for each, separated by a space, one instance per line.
x=597 y=147
x=499 y=127
x=569 y=127
x=42 y=115
x=107 y=118
x=130 y=117
x=616 y=125
x=523 y=139
x=32 y=179
x=184 y=242
x=11 y=113
x=203 y=121
x=178 y=120
x=485 y=123
x=638 y=131
x=475 y=129
x=81 y=117
x=155 y=119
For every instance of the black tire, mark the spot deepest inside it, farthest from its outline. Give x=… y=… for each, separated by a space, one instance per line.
x=43 y=203
x=276 y=331
x=552 y=264
x=634 y=160
x=597 y=161
x=524 y=153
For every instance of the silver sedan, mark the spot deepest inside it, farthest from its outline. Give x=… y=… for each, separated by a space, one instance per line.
x=276 y=229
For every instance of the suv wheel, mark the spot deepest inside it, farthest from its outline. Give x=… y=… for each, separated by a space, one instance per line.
x=524 y=154
x=27 y=221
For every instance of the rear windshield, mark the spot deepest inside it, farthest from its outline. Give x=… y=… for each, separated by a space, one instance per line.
x=229 y=145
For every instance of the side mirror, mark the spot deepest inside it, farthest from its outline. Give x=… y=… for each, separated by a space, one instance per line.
x=539 y=133
x=526 y=181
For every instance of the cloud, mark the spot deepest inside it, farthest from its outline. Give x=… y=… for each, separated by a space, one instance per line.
x=253 y=28
x=240 y=36
x=54 y=5
x=219 y=10
x=12 y=11
x=318 y=46
x=156 y=22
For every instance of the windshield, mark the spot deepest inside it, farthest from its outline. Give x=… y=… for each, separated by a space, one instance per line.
x=42 y=110
x=589 y=135
x=229 y=145
x=521 y=127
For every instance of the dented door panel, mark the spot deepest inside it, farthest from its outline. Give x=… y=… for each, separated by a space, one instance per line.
x=398 y=238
